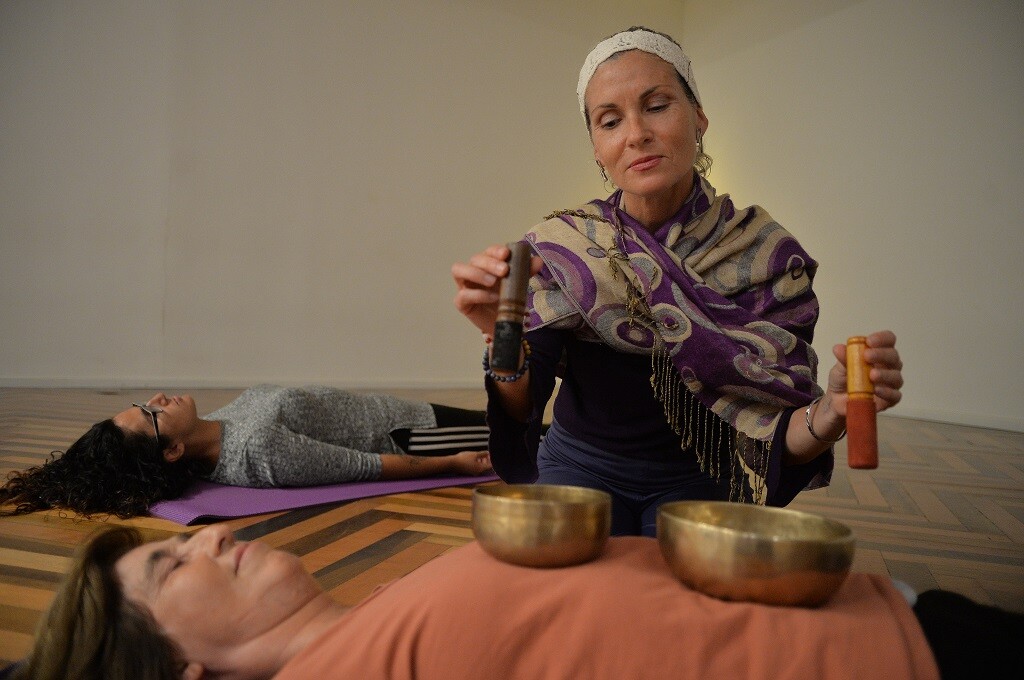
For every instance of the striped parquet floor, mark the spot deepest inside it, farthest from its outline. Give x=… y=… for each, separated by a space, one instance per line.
x=945 y=509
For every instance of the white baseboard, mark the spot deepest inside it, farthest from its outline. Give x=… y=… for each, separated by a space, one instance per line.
x=987 y=420
x=232 y=383
x=957 y=418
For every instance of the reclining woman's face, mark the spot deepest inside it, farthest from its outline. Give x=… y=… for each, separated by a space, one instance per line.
x=212 y=595
x=177 y=418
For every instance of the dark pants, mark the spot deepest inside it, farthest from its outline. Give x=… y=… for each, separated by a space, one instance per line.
x=970 y=640
x=637 y=487
x=458 y=429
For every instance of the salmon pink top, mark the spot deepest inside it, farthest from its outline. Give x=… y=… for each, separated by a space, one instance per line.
x=624 y=615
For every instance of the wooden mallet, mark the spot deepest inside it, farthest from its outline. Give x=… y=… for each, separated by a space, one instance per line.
x=861 y=427
x=508 y=328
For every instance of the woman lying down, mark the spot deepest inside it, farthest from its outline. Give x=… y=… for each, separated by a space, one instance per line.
x=268 y=437
x=208 y=606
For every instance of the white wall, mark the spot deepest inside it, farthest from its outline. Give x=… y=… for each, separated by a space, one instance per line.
x=888 y=135
x=226 y=192
x=222 y=193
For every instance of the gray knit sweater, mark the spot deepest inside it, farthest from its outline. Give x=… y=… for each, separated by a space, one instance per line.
x=275 y=437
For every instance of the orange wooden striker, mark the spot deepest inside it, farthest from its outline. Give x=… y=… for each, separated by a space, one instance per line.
x=861 y=427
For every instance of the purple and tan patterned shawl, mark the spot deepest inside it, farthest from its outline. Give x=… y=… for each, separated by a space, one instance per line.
x=724 y=293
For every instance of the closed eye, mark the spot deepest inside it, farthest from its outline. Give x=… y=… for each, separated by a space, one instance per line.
x=155 y=564
x=170 y=564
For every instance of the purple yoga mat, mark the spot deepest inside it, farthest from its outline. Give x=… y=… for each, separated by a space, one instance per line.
x=206 y=501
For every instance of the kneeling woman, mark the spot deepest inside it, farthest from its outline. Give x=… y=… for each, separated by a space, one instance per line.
x=268 y=437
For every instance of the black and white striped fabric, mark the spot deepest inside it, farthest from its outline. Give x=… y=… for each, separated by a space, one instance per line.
x=441 y=441
x=457 y=430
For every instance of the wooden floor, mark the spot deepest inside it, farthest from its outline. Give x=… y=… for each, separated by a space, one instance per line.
x=945 y=509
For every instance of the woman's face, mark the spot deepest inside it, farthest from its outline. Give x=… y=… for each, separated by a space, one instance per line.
x=211 y=594
x=178 y=419
x=643 y=127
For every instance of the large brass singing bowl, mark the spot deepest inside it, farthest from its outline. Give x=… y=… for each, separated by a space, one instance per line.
x=736 y=551
x=542 y=525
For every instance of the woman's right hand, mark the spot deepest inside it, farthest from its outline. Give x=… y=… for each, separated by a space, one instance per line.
x=479 y=281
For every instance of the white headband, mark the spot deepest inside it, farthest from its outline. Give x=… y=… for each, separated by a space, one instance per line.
x=645 y=41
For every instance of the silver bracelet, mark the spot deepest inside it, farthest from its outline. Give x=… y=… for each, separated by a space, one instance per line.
x=810 y=428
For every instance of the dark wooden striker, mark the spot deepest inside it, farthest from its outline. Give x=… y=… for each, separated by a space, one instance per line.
x=508 y=328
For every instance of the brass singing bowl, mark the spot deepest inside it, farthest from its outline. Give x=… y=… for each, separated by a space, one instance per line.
x=541 y=525
x=736 y=551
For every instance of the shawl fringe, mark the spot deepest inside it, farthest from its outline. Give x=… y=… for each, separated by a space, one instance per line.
x=741 y=426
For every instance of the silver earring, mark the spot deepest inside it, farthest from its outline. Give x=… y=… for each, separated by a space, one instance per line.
x=604 y=176
x=700 y=143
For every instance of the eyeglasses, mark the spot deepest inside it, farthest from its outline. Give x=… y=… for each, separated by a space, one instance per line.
x=152 y=411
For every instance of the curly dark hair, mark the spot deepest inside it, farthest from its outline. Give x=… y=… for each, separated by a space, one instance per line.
x=92 y=630
x=107 y=471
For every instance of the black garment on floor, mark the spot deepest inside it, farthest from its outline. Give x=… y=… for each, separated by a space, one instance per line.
x=970 y=640
x=458 y=429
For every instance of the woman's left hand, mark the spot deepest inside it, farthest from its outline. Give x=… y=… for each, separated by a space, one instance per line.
x=886 y=372
x=471 y=463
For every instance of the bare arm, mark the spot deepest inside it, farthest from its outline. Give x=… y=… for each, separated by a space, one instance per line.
x=401 y=466
x=298 y=460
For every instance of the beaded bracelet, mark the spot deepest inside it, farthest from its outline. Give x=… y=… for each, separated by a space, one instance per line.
x=810 y=428
x=507 y=378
